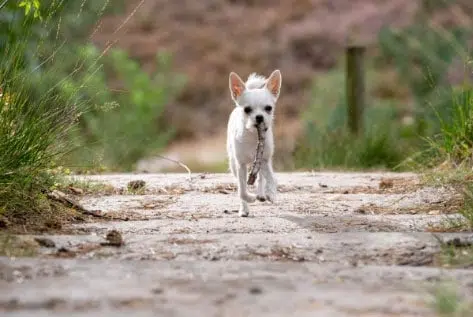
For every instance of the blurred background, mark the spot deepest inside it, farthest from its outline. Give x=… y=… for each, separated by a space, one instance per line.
x=153 y=75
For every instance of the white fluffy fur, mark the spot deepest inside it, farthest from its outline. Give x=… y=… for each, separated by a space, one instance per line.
x=255 y=81
x=258 y=94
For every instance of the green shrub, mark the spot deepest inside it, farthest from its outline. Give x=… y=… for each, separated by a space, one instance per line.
x=423 y=55
x=454 y=142
x=332 y=146
x=121 y=133
x=40 y=105
x=327 y=143
x=33 y=128
x=114 y=129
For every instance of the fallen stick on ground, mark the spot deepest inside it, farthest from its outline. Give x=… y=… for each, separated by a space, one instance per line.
x=261 y=128
x=69 y=202
x=189 y=172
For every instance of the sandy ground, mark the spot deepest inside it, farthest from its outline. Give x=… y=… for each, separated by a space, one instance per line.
x=333 y=244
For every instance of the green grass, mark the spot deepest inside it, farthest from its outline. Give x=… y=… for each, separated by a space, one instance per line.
x=467 y=210
x=460 y=179
x=443 y=133
x=35 y=124
x=409 y=74
x=455 y=255
x=447 y=302
x=384 y=142
x=56 y=108
x=118 y=134
x=341 y=149
x=452 y=145
x=449 y=154
x=72 y=185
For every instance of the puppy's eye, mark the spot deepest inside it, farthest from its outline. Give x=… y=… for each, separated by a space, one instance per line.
x=247 y=109
x=268 y=108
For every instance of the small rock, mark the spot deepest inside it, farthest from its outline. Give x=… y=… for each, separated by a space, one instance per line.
x=386 y=183
x=157 y=290
x=45 y=242
x=211 y=257
x=135 y=185
x=114 y=238
x=226 y=211
x=360 y=211
x=4 y=223
x=255 y=290
x=323 y=185
x=76 y=190
x=65 y=253
x=298 y=259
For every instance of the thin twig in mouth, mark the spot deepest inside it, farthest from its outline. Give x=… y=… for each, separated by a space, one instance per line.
x=261 y=128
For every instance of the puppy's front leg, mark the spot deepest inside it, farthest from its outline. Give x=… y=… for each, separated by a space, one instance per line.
x=271 y=185
x=242 y=188
x=245 y=197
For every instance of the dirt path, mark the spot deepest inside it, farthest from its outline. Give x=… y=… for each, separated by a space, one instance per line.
x=332 y=245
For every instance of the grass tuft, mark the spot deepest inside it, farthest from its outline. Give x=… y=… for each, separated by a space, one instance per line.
x=447 y=302
x=35 y=123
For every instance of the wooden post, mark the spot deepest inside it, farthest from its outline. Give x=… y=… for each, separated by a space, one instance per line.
x=355 y=87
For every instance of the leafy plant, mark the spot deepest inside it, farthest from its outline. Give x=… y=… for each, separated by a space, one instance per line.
x=334 y=146
x=39 y=107
x=31 y=7
x=448 y=301
x=132 y=128
x=422 y=55
x=327 y=143
x=454 y=142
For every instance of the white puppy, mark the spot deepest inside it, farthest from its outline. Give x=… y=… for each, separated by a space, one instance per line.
x=255 y=103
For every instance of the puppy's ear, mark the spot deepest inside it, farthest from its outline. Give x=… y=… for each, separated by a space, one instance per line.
x=237 y=86
x=273 y=83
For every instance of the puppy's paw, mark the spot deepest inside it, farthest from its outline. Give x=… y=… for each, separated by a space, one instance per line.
x=271 y=198
x=243 y=212
x=271 y=194
x=261 y=198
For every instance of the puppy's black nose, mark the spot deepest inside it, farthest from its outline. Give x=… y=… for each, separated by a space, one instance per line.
x=259 y=118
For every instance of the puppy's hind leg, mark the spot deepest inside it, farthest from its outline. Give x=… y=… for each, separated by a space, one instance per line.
x=271 y=184
x=260 y=190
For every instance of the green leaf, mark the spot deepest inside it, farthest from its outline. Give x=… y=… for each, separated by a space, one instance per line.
x=31 y=6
